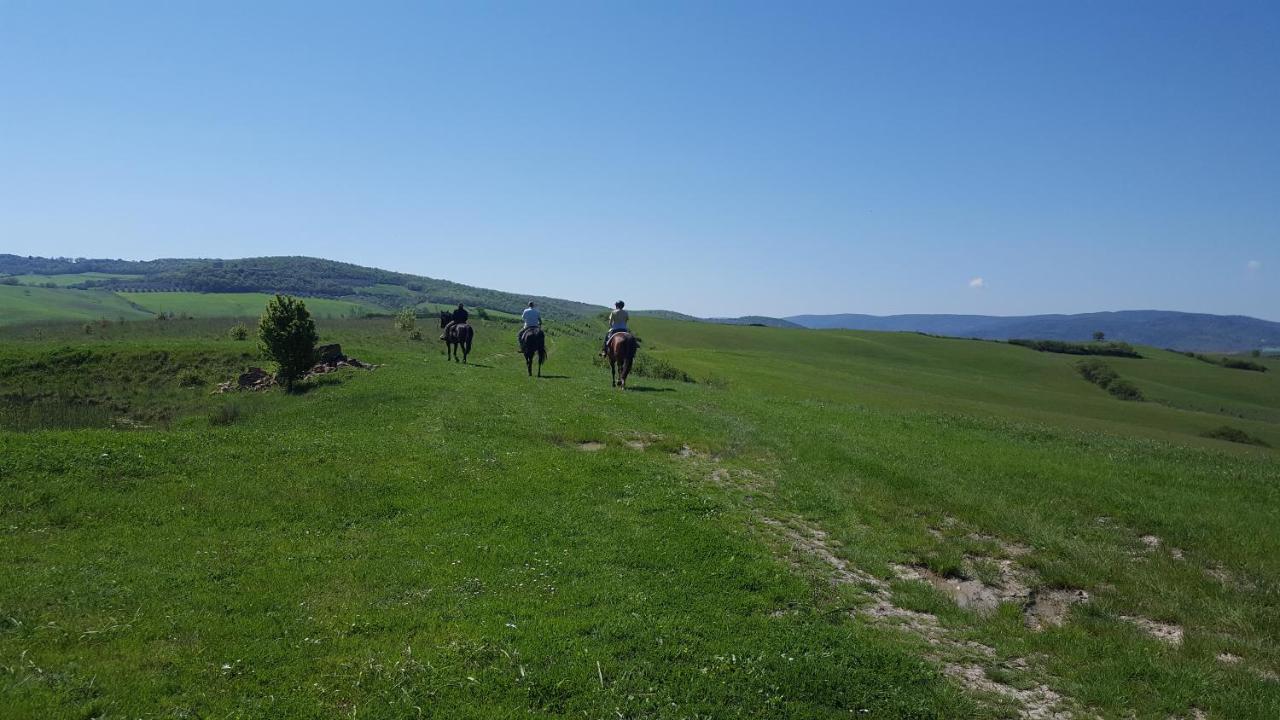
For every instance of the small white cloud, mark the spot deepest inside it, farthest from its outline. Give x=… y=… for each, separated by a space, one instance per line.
x=1254 y=264
x=977 y=283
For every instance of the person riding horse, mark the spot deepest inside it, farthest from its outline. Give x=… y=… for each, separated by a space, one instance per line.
x=532 y=319
x=457 y=317
x=617 y=323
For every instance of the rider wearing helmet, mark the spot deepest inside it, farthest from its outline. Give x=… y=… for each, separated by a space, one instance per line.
x=617 y=323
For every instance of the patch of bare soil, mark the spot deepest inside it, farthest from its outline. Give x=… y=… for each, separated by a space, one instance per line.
x=955 y=655
x=590 y=446
x=969 y=592
x=1164 y=632
x=1048 y=607
x=637 y=444
x=1037 y=703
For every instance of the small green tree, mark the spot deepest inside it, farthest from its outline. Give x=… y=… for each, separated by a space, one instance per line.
x=1255 y=353
x=482 y=314
x=406 y=320
x=239 y=331
x=1099 y=336
x=288 y=337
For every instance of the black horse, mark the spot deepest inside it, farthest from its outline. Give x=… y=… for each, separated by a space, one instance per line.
x=457 y=337
x=533 y=342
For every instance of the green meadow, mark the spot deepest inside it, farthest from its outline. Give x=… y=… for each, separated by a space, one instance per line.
x=813 y=525
x=68 y=279
x=237 y=304
x=24 y=305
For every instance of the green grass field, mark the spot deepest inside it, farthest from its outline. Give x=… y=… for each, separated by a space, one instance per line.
x=20 y=305
x=796 y=534
x=69 y=279
x=244 y=305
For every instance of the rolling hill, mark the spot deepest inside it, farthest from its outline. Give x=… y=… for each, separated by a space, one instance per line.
x=818 y=524
x=1159 y=328
x=303 y=276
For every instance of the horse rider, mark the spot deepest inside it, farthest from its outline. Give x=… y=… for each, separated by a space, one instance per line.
x=532 y=319
x=457 y=317
x=617 y=323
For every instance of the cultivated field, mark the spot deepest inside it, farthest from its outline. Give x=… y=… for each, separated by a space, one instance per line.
x=817 y=525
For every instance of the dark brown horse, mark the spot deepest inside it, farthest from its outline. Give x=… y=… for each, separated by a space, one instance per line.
x=621 y=351
x=457 y=337
x=534 y=343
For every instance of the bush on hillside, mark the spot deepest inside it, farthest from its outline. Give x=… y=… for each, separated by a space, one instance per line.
x=1238 y=364
x=288 y=336
x=1124 y=390
x=1236 y=435
x=1101 y=374
x=1113 y=349
x=239 y=331
x=406 y=320
x=190 y=378
x=1228 y=362
x=649 y=366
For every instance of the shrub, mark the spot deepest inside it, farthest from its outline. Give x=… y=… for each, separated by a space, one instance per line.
x=1097 y=372
x=8 y=281
x=1101 y=374
x=288 y=337
x=190 y=378
x=1099 y=336
x=1124 y=390
x=649 y=366
x=1238 y=364
x=239 y=331
x=415 y=335
x=1236 y=435
x=405 y=320
x=482 y=314
x=1113 y=349
x=1226 y=362
x=1255 y=353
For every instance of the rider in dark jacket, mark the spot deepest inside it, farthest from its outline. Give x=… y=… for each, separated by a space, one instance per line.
x=457 y=317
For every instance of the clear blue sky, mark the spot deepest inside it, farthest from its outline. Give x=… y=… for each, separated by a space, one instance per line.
x=710 y=157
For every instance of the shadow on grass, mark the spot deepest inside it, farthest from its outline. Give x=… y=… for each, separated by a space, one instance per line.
x=646 y=388
x=306 y=386
x=556 y=377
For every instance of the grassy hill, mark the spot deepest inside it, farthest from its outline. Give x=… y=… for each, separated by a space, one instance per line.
x=1159 y=328
x=21 y=304
x=821 y=525
x=308 y=277
x=233 y=305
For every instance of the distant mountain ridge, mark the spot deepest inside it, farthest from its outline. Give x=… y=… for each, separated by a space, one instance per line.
x=1160 y=328
x=744 y=320
x=304 y=276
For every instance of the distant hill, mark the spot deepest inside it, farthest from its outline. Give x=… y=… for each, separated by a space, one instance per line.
x=305 y=276
x=1160 y=328
x=744 y=320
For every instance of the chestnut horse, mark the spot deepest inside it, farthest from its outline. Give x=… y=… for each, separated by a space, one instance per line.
x=534 y=343
x=457 y=337
x=621 y=351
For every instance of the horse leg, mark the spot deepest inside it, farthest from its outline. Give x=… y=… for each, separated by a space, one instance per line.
x=539 y=366
x=528 y=364
x=613 y=377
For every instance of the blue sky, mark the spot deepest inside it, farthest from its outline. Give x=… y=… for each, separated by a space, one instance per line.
x=718 y=158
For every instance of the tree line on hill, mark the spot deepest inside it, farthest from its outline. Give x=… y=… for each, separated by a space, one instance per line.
x=302 y=276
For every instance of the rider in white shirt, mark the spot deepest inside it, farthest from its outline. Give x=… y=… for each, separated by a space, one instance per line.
x=532 y=319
